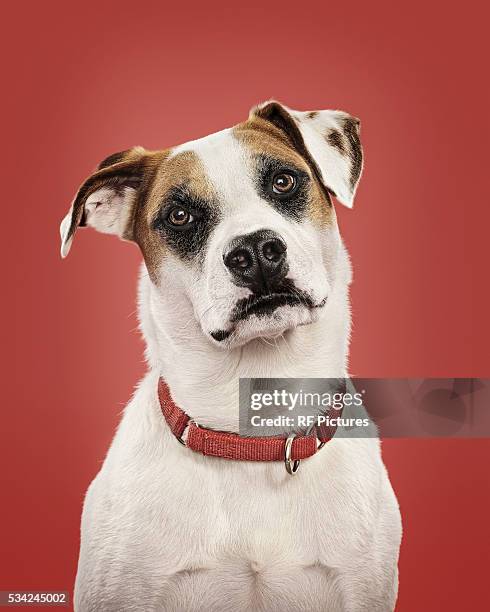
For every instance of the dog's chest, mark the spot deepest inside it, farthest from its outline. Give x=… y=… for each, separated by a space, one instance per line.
x=254 y=528
x=167 y=529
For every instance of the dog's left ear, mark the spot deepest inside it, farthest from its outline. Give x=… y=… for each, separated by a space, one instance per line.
x=329 y=141
x=107 y=199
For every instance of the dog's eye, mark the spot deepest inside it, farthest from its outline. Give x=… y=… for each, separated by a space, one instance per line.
x=283 y=183
x=179 y=217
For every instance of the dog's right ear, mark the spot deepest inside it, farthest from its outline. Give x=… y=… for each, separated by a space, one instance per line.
x=107 y=199
x=327 y=139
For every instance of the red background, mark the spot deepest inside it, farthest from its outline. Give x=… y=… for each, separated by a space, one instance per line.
x=84 y=81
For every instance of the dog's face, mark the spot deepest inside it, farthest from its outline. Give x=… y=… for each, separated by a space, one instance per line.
x=240 y=222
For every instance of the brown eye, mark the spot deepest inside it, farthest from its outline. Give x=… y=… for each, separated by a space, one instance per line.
x=179 y=216
x=283 y=183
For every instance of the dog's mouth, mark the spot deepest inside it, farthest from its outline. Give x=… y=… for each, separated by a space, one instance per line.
x=264 y=305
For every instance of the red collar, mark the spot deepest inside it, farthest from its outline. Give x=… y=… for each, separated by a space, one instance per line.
x=233 y=446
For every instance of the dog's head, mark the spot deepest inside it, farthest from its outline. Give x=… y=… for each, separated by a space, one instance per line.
x=241 y=222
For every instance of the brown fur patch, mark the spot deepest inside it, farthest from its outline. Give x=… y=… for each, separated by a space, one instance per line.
x=335 y=139
x=167 y=172
x=351 y=130
x=115 y=158
x=264 y=137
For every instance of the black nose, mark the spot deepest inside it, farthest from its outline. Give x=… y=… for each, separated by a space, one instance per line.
x=257 y=260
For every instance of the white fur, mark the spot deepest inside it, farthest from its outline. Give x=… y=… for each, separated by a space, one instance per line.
x=165 y=528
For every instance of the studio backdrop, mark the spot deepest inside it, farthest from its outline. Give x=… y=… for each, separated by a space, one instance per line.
x=84 y=81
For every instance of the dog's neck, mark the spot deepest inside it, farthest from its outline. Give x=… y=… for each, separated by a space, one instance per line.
x=203 y=378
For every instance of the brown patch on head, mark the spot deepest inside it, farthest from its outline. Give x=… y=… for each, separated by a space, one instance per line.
x=312 y=114
x=183 y=170
x=275 y=140
x=263 y=137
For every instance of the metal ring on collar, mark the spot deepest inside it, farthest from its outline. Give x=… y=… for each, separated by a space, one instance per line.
x=291 y=466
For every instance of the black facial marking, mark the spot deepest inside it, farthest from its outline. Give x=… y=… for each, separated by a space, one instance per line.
x=335 y=139
x=292 y=204
x=221 y=334
x=186 y=241
x=265 y=304
x=351 y=130
x=262 y=306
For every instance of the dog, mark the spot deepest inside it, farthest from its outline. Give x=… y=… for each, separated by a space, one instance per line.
x=245 y=275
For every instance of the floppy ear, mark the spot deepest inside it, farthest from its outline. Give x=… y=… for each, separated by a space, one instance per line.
x=328 y=139
x=106 y=199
